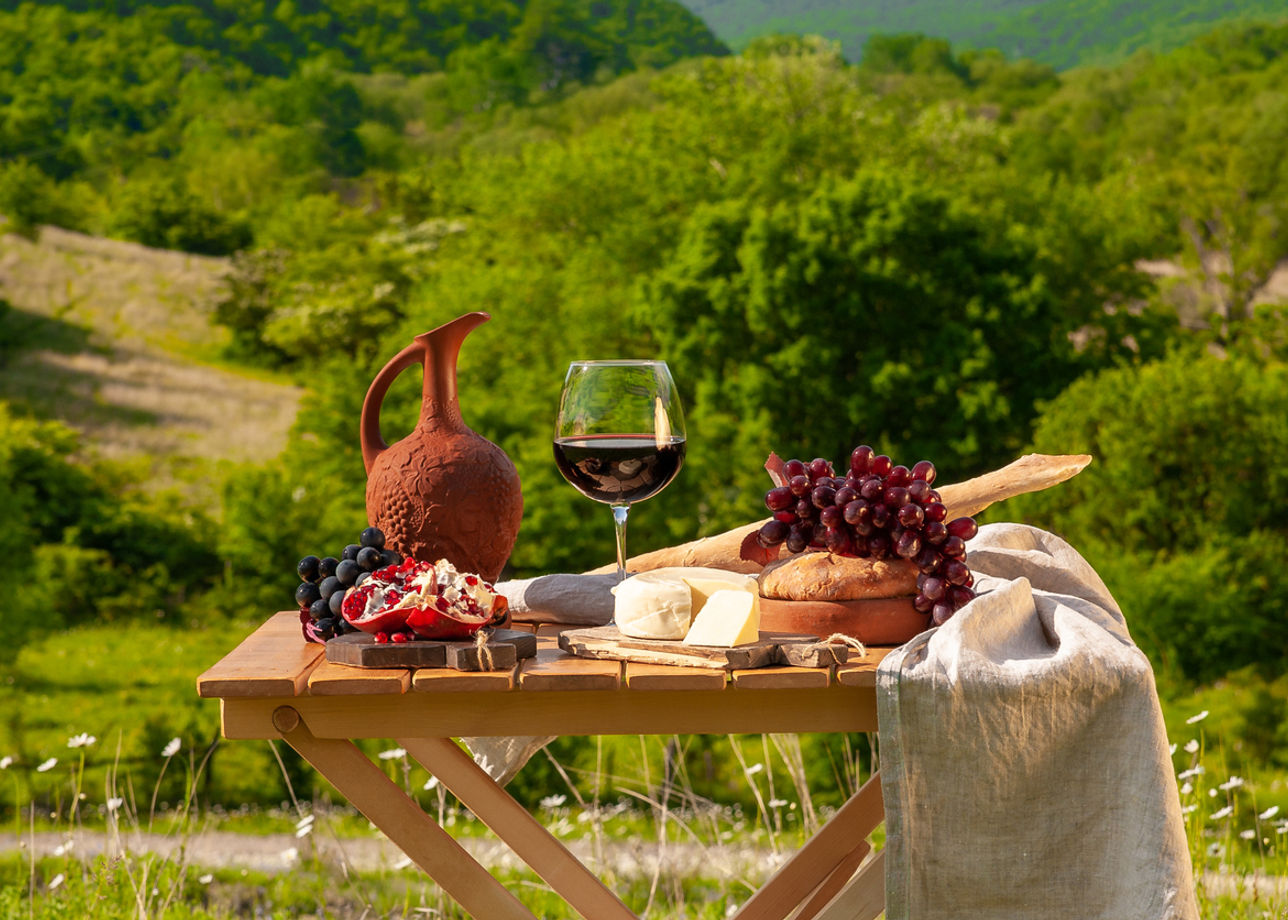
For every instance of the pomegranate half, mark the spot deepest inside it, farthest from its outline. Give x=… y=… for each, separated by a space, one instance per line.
x=433 y=601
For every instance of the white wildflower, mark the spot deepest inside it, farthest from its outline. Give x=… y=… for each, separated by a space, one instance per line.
x=777 y=803
x=55 y=881
x=553 y=801
x=1191 y=773
x=64 y=848
x=1268 y=813
x=290 y=855
x=304 y=822
x=206 y=879
x=392 y=754
x=1248 y=834
x=1192 y=746
x=1281 y=827
x=171 y=748
x=1211 y=793
x=114 y=803
x=1172 y=749
x=1222 y=813
x=5 y=762
x=47 y=765
x=430 y=784
x=1197 y=718
x=754 y=769
x=81 y=740
x=302 y=832
x=1189 y=809
x=1234 y=782
x=1186 y=789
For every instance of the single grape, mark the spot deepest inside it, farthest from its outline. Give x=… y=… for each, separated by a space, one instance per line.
x=347 y=571
x=954 y=547
x=935 y=511
x=805 y=509
x=777 y=499
x=390 y=557
x=928 y=560
x=959 y=596
x=361 y=578
x=369 y=558
x=800 y=485
x=337 y=601
x=936 y=497
x=329 y=585
x=306 y=594
x=878 y=546
x=793 y=468
x=922 y=603
x=837 y=540
x=326 y=628
x=933 y=532
x=963 y=527
x=899 y=476
x=786 y=517
x=830 y=516
x=773 y=533
x=924 y=471
x=871 y=489
x=956 y=572
x=823 y=496
x=845 y=494
x=941 y=614
x=880 y=515
x=918 y=491
x=796 y=541
x=908 y=545
x=855 y=511
x=933 y=587
x=350 y=551
x=319 y=609
x=861 y=458
x=372 y=536
x=895 y=496
x=881 y=465
x=818 y=468
x=911 y=516
x=327 y=566
x=308 y=568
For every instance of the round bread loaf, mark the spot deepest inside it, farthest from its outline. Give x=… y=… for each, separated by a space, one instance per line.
x=824 y=576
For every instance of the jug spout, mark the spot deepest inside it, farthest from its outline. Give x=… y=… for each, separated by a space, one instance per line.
x=440 y=407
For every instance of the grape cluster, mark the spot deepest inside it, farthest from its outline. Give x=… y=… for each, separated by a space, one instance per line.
x=877 y=510
x=324 y=583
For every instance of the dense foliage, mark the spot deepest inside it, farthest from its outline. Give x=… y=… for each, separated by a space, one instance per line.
x=938 y=253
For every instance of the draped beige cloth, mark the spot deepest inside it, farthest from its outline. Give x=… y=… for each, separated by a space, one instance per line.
x=1025 y=766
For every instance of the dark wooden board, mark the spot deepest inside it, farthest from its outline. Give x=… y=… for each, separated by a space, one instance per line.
x=772 y=648
x=360 y=650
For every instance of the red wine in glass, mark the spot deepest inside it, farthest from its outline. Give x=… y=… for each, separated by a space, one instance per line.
x=619 y=468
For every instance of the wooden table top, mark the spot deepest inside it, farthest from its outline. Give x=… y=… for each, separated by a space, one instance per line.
x=274 y=666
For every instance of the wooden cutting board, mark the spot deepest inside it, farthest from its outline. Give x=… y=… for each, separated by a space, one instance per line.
x=772 y=648
x=503 y=650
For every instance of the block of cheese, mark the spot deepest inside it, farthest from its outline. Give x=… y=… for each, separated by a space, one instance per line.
x=662 y=603
x=729 y=617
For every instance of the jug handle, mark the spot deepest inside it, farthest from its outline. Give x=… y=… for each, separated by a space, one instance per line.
x=373 y=445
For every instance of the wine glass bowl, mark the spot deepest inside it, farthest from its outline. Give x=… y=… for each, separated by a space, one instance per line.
x=619 y=436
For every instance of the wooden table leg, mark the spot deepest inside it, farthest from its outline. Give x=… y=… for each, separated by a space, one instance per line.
x=820 y=857
x=864 y=897
x=402 y=820
x=513 y=823
x=833 y=883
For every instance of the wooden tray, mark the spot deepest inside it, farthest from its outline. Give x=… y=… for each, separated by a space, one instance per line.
x=801 y=650
x=882 y=621
x=360 y=650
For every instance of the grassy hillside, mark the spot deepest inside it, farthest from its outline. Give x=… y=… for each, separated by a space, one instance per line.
x=1061 y=33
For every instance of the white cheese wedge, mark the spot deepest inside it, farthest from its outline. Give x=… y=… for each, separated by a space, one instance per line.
x=661 y=603
x=730 y=617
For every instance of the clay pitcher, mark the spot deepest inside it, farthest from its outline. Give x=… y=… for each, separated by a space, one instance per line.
x=442 y=492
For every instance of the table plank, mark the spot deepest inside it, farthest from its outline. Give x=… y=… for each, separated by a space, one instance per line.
x=274 y=660
x=331 y=679
x=862 y=672
x=555 y=669
x=781 y=677
x=668 y=677
x=447 y=680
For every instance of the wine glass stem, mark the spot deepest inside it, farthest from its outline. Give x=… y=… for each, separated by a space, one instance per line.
x=619 y=524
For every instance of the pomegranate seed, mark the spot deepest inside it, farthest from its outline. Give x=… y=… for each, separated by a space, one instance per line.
x=471 y=580
x=399 y=637
x=382 y=638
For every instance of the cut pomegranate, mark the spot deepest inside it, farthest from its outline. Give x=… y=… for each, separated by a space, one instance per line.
x=433 y=601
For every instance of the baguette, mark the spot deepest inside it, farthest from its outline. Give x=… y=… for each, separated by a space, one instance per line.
x=1030 y=473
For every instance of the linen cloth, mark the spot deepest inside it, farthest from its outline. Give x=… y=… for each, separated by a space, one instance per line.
x=1024 y=762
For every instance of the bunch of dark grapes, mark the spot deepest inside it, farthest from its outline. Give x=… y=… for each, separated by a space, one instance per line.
x=324 y=582
x=877 y=510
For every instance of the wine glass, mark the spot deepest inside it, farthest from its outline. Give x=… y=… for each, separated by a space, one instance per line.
x=619 y=437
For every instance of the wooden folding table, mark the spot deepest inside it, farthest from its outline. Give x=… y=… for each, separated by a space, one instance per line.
x=275 y=685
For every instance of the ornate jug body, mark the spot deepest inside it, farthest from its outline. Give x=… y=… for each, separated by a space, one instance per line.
x=442 y=492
